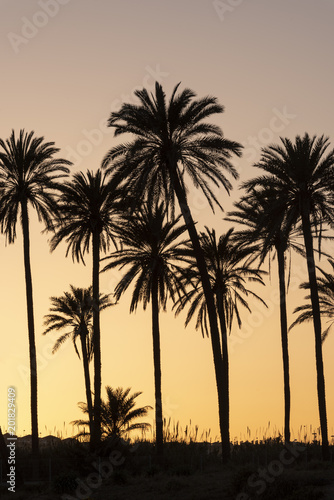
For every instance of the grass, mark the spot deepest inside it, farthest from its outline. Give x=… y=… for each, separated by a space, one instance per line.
x=191 y=469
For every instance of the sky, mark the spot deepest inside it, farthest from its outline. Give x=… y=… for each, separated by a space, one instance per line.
x=66 y=65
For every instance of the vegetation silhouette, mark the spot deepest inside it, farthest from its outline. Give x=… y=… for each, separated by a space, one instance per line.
x=265 y=230
x=230 y=270
x=301 y=177
x=132 y=205
x=149 y=254
x=88 y=213
x=29 y=175
x=326 y=301
x=73 y=311
x=171 y=142
x=118 y=414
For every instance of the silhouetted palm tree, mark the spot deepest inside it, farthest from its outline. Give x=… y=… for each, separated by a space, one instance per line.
x=73 y=311
x=87 y=207
x=267 y=228
x=29 y=174
x=229 y=270
x=326 y=301
x=302 y=177
x=118 y=413
x=150 y=250
x=172 y=140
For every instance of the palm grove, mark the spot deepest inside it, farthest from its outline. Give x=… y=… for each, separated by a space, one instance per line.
x=133 y=213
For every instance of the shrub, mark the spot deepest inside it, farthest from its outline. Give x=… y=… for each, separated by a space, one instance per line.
x=65 y=483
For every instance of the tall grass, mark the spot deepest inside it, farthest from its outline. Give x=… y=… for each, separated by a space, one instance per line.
x=174 y=432
x=305 y=434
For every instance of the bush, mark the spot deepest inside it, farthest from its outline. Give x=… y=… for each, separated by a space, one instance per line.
x=240 y=479
x=306 y=493
x=65 y=483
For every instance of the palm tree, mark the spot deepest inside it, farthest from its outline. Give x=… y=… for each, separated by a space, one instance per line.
x=229 y=271
x=171 y=141
x=74 y=311
x=270 y=232
x=29 y=174
x=326 y=301
x=87 y=208
x=301 y=175
x=118 y=413
x=149 y=252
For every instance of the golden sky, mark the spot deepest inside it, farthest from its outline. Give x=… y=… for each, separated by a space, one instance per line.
x=65 y=65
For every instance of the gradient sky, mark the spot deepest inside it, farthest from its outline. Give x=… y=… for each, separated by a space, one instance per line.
x=269 y=62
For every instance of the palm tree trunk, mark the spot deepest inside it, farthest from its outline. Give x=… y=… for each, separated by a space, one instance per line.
x=96 y=437
x=317 y=328
x=157 y=367
x=31 y=330
x=209 y=298
x=226 y=406
x=83 y=338
x=284 y=340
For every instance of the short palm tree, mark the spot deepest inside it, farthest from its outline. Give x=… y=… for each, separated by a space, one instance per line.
x=87 y=207
x=73 y=311
x=301 y=175
x=29 y=176
x=229 y=271
x=173 y=143
x=118 y=413
x=149 y=253
x=326 y=301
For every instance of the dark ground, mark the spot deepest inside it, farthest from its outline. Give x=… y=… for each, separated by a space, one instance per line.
x=258 y=471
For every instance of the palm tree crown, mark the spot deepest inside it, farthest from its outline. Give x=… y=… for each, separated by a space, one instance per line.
x=74 y=311
x=229 y=271
x=150 y=251
x=326 y=300
x=299 y=173
x=118 y=413
x=167 y=135
x=87 y=207
x=264 y=226
x=29 y=173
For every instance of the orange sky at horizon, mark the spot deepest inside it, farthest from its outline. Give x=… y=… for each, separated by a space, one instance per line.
x=268 y=63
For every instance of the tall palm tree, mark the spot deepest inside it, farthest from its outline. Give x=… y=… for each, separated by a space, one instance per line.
x=29 y=176
x=73 y=311
x=267 y=228
x=87 y=206
x=229 y=270
x=326 y=301
x=301 y=175
x=171 y=141
x=150 y=250
x=118 y=413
